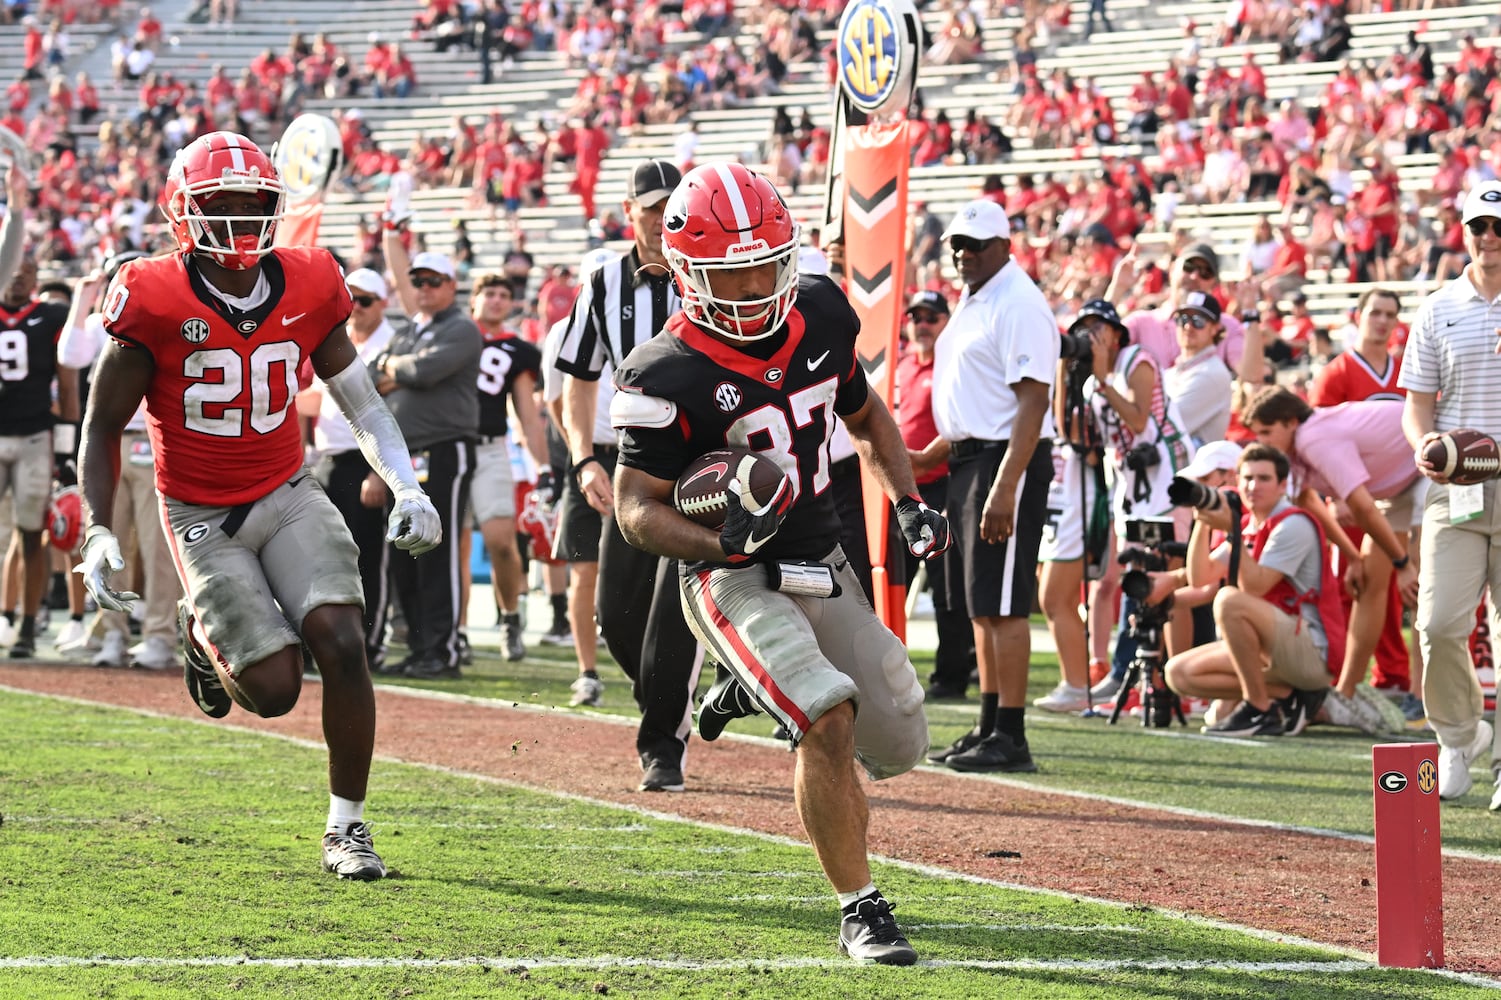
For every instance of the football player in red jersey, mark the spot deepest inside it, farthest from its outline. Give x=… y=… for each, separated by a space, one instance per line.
x=760 y=358
x=212 y=336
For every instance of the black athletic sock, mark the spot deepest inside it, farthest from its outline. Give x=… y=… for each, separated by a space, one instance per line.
x=990 y=704
x=1012 y=722
x=593 y=675
x=28 y=627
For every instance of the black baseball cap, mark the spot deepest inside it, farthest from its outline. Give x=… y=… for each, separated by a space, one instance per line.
x=1202 y=303
x=653 y=181
x=1101 y=309
x=929 y=300
x=1204 y=252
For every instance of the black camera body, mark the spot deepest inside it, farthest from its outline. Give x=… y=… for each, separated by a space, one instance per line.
x=1075 y=347
x=1188 y=493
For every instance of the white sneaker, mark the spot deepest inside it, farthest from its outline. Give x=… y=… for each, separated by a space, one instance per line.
x=1106 y=689
x=1388 y=711
x=1496 y=798
x=7 y=633
x=587 y=691
x=1454 y=763
x=71 y=636
x=1063 y=698
x=1354 y=713
x=111 y=651
x=155 y=653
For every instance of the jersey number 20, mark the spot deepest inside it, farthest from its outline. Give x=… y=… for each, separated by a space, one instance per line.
x=226 y=421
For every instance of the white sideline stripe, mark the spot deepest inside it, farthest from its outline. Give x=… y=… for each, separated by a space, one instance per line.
x=1363 y=959
x=629 y=962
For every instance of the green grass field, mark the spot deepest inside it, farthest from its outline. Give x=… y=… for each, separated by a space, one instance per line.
x=154 y=858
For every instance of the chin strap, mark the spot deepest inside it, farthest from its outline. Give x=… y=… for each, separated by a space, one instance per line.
x=375 y=430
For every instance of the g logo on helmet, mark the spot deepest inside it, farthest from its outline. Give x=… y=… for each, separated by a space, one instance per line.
x=879 y=48
x=65 y=519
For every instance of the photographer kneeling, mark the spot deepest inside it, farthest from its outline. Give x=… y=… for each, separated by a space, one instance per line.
x=1281 y=621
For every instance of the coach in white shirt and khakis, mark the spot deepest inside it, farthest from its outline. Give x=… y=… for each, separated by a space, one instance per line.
x=992 y=377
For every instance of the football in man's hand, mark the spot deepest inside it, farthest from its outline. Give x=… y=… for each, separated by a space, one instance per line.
x=1464 y=456
x=703 y=490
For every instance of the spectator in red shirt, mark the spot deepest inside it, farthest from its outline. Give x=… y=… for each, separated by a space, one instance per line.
x=590 y=143
x=148 y=30
x=1289 y=268
x=1378 y=203
x=555 y=296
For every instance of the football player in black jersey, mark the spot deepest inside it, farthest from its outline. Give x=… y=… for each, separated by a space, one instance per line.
x=761 y=359
x=29 y=329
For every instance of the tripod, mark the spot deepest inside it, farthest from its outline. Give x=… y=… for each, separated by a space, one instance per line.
x=1159 y=704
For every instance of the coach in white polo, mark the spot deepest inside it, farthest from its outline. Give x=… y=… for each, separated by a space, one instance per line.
x=1452 y=374
x=992 y=379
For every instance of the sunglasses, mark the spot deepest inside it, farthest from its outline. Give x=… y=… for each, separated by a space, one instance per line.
x=1479 y=227
x=1194 y=320
x=1198 y=268
x=437 y=281
x=968 y=244
x=925 y=318
x=364 y=301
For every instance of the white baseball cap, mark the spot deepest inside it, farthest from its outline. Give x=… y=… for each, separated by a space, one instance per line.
x=981 y=220
x=429 y=260
x=1482 y=201
x=1223 y=456
x=367 y=280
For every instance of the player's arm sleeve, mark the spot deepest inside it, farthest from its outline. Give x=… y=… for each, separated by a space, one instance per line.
x=374 y=428
x=12 y=242
x=81 y=343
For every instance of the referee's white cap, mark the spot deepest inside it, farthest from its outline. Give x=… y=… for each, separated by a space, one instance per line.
x=1482 y=201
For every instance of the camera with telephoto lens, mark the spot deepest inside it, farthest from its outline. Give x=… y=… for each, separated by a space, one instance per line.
x=1153 y=547
x=1075 y=347
x=1187 y=493
x=1142 y=457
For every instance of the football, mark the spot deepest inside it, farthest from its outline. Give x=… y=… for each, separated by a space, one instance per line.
x=702 y=491
x=1465 y=456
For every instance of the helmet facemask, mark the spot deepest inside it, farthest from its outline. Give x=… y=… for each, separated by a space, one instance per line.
x=248 y=237
x=742 y=320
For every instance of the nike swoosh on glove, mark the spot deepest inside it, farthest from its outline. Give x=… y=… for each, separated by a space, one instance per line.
x=747 y=528
x=101 y=557
x=926 y=530
x=414 y=525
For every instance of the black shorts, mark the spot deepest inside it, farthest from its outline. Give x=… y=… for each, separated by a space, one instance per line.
x=579 y=525
x=996 y=580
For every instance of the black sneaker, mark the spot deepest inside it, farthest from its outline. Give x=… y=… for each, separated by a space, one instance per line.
x=1247 y=720
x=515 y=648
x=869 y=934
x=198 y=672
x=660 y=775
x=995 y=753
x=968 y=741
x=24 y=648
x=725 y=701
x=1299 y=709
x=431 y=668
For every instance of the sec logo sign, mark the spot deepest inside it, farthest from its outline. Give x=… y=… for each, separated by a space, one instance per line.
x=879 y=47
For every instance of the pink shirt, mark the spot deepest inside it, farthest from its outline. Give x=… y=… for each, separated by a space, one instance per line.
x=1354 y=444
x=1156 y=331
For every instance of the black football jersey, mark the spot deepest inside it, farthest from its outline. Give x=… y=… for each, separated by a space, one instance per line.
x=686 y=393
x=28 y=363
x=503 y=358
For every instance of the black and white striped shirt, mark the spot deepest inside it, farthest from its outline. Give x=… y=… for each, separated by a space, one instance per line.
x=619 y=307
x=1452 y=351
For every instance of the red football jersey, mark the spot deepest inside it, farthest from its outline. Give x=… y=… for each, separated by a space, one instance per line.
x=219 y=405
x=1350 y=378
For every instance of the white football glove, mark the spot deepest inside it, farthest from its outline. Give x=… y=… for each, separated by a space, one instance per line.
x=414 y=525
x=101 y=557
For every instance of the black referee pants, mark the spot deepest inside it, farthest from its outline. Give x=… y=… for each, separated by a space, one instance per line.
x=640 y=609
x=341 y=475
x=428 y=585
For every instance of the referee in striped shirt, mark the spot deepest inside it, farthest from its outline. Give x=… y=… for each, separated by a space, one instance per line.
x=625 y=303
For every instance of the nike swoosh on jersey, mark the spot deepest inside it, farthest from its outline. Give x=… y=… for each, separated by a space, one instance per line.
x=815 y=362
x=34 y=320
x=289 y=320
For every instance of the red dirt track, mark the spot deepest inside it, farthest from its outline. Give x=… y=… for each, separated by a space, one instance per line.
x=1313 y=887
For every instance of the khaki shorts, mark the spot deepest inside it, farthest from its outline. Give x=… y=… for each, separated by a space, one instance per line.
x=1406 y=508
x=26 y=473
x=252 y=583
x=1296 y=661
x=801 y=656
x=492 y=493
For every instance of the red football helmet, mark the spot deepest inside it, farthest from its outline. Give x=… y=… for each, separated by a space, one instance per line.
x=541 y=523
x=212 y=165
x=724 y=217
x=65 y=519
